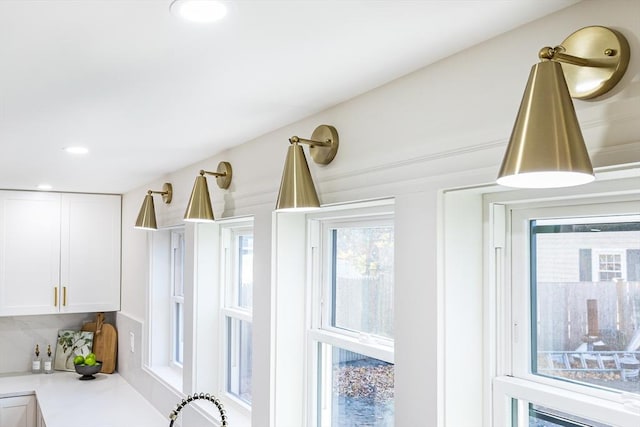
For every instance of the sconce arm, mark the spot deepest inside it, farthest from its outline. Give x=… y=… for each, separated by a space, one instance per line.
x=310 y=142
x=216 y=174
x=167 y=192
x=558 y=54
x=223 y=174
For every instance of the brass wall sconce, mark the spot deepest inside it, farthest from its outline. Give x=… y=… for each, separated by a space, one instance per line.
x=199 y=208
x=297 y=191
x=546 y=148
x=147 y=216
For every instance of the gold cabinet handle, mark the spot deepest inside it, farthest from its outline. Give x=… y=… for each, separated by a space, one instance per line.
x=55 y=296
x=64 y=296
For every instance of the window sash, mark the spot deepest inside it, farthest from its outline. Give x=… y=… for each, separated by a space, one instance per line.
x=369 y=348
x=234 y=268
x=327 y=290
x=176 y=300
x=321 y=333
x=506 y=388
x=519 y=340
x=238 y=359
x=327 y=398
x=177 y=333
x=235 y=312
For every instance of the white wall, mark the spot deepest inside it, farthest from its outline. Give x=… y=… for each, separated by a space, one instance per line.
x=441 y=127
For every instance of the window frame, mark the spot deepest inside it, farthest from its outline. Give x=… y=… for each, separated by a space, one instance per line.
x=158 y=356
x=176 y=301
x=324 y=323
x=319 y=301
x=514 y=377
x=230 y=310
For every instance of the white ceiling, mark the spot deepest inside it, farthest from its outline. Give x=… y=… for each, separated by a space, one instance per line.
x=148 y=93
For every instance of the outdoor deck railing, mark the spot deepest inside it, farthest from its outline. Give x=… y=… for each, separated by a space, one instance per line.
x=625 y=362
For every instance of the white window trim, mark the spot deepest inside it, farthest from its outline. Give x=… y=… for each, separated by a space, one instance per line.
x=505 y=388
x=513 y=378
x=319 y=330
x=323 y=323
x=158 y=352
x=465 y=228
x=229 y=230
x=204 y=338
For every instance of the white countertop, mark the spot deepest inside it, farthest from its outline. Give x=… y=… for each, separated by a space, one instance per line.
x=65 y=401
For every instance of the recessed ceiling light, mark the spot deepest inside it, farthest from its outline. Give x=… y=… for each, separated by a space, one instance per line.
x=44 y=187
x=76 y=150
x=199 y=10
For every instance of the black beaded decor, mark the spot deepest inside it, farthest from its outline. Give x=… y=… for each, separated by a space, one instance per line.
x=173 y=416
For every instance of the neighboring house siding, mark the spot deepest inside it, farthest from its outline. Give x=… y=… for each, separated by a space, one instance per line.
x=585 y=265
x=633 y=265
x=570 y=258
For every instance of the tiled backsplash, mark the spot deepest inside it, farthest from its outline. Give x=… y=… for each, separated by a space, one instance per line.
x=20 y=334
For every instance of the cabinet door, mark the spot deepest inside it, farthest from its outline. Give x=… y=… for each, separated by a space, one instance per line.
x=29 y=252
x=39 y=418
x=18 y=411
x=90 y=253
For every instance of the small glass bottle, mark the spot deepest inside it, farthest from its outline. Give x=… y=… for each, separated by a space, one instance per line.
x=36 y=365
x=48 y=363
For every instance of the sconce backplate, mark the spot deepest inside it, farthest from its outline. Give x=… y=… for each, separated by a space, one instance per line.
x=224 y=179
x=167 y=192
x=324 y=155
x=607 y=48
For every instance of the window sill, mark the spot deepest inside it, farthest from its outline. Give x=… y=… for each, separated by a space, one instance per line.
x=170 y=377
x=235 y=411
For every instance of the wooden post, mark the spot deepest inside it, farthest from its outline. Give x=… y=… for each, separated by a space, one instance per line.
x=592 y=318
x=624 y=315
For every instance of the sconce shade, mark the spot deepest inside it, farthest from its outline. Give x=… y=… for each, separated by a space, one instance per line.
x=147 y=216
x=199 y=208
x=546 y=148
x=297 y=191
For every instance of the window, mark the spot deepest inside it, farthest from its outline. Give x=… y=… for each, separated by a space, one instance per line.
x=585 y=331
x=237 y=262
x=177 y=297
x=165 y=320
x=569 y=347
x=352 y=327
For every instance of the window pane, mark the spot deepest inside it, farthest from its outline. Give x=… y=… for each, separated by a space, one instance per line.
x=532 y=415
x=179 y=335
x=177 y=259
x=177 y=290
x=355 y=390
x=245 y=271
x=540 y=416
x=362 y=288
x=586 y=301
x=239 y=358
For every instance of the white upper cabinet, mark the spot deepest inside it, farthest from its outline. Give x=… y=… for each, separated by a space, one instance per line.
x=90 y=253
x=59 y=253
x=29 y=252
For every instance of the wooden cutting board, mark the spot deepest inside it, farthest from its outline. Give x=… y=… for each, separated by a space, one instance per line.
x=105 y=343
